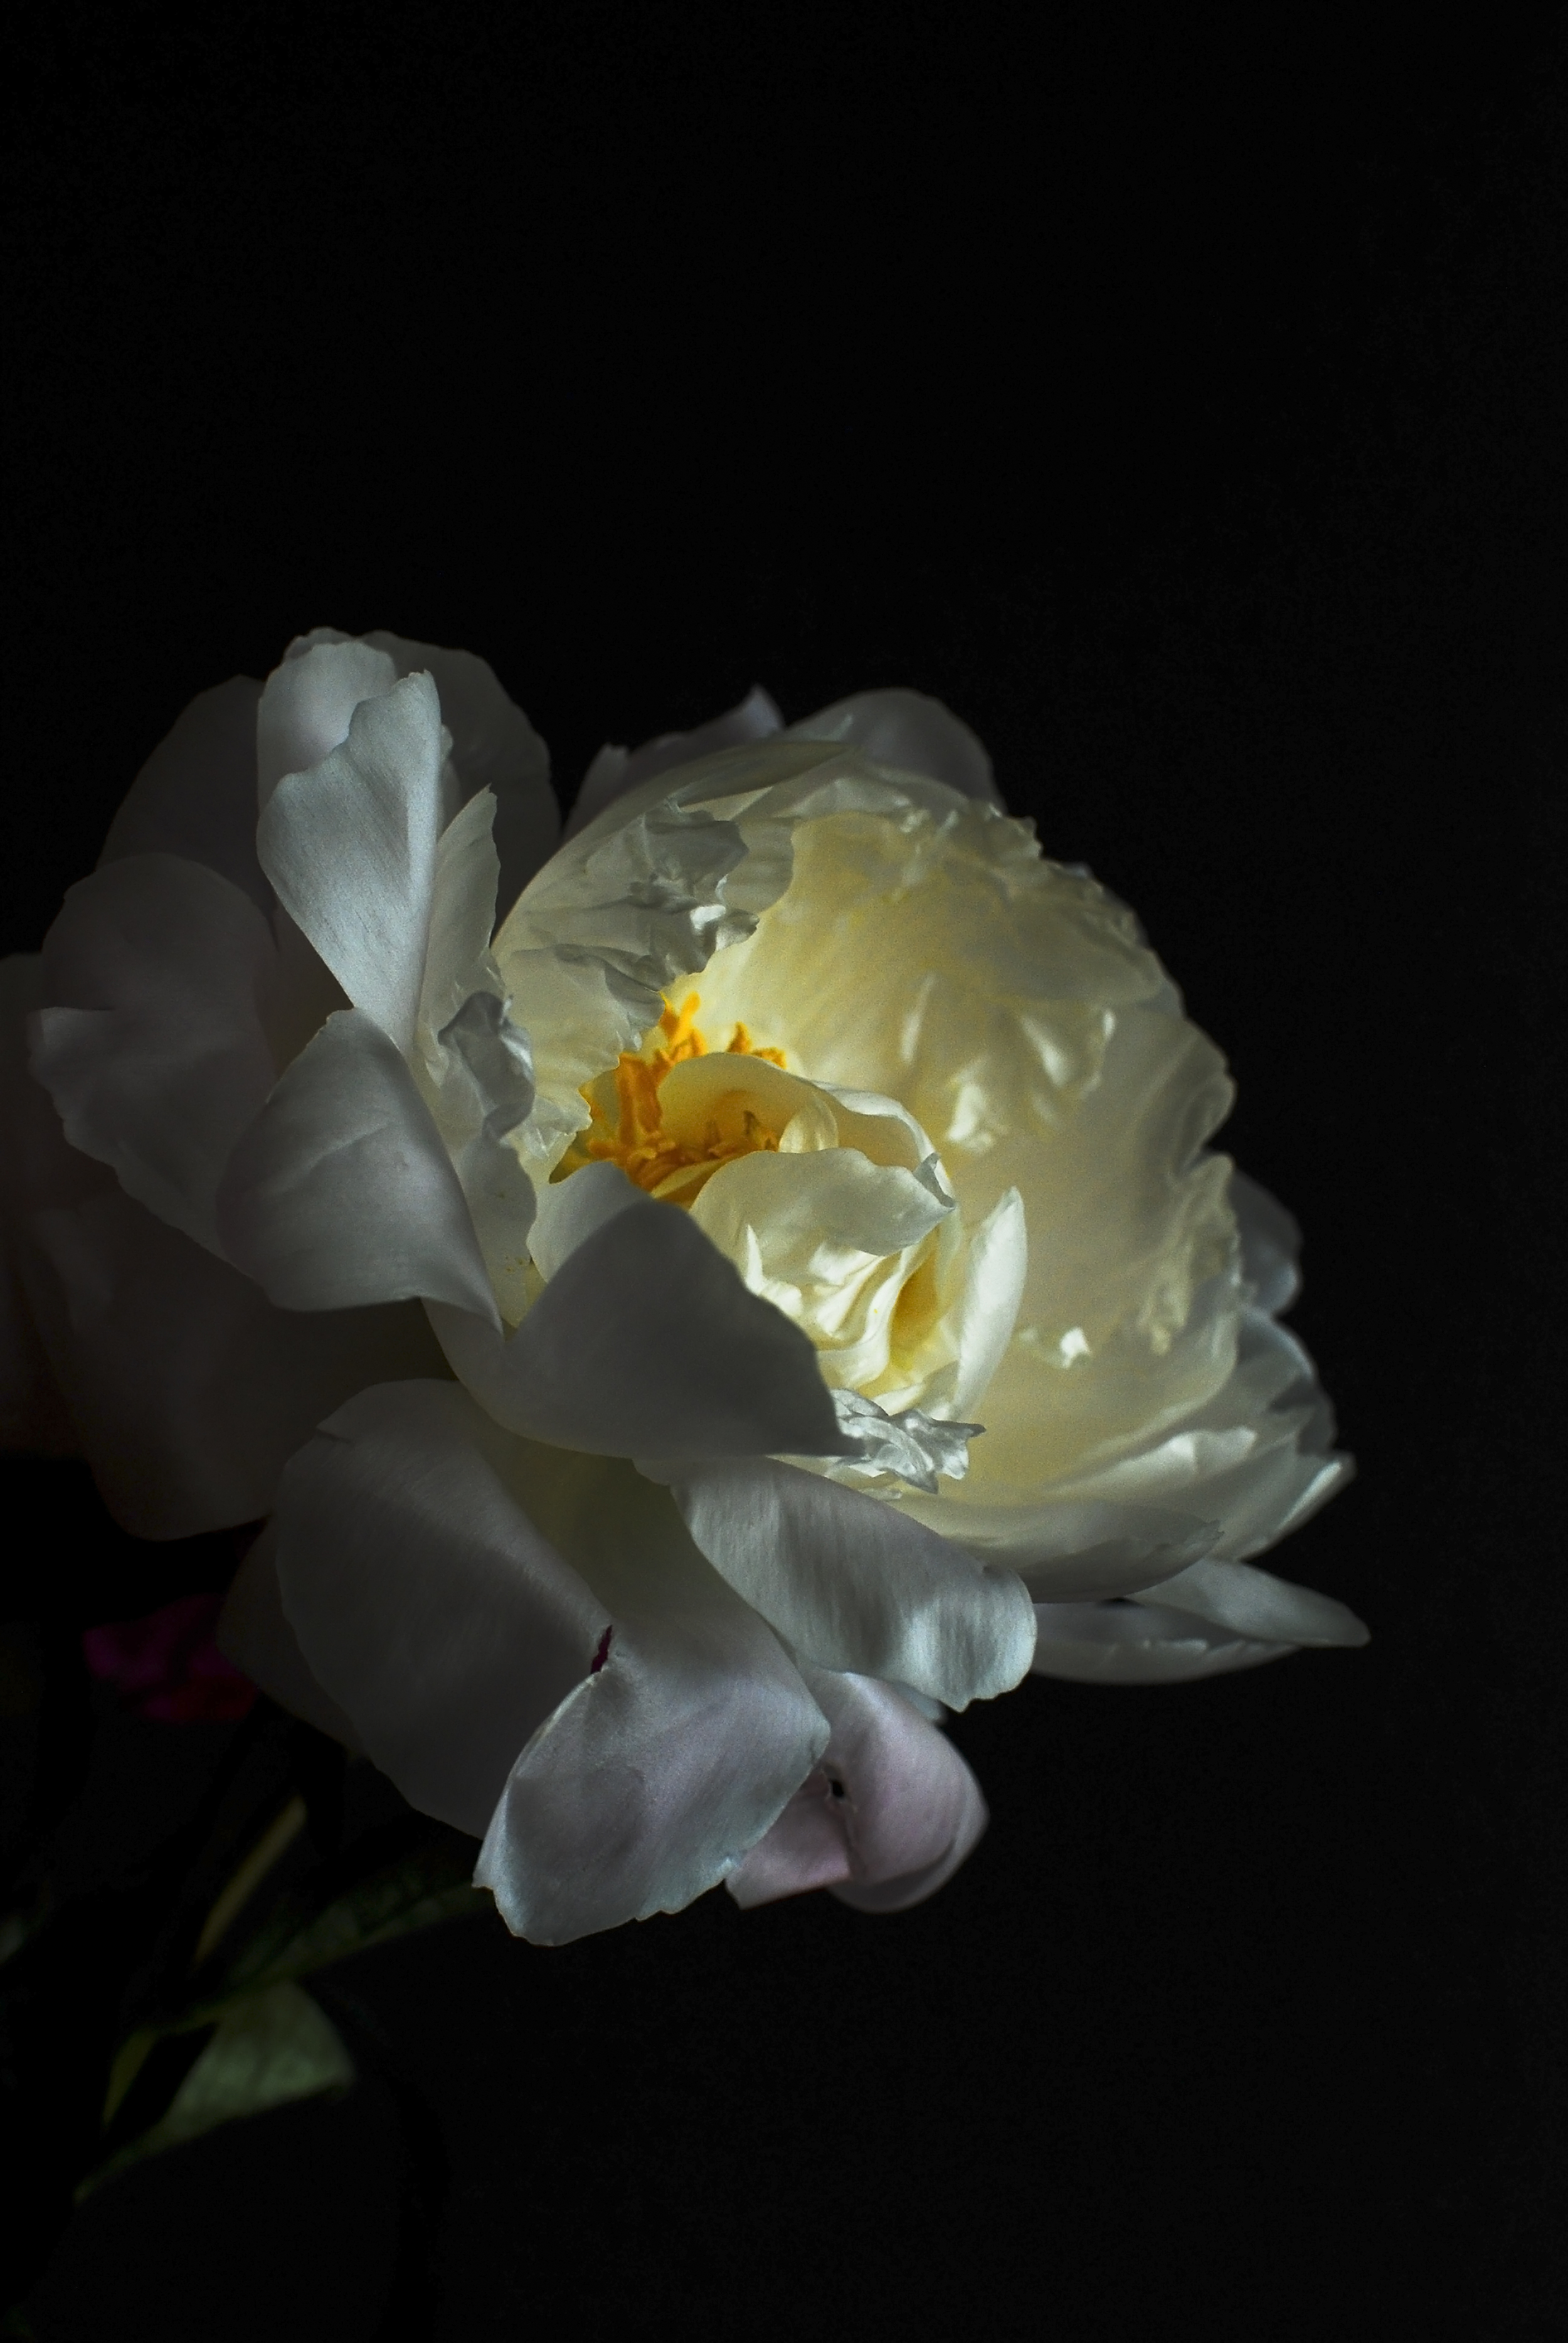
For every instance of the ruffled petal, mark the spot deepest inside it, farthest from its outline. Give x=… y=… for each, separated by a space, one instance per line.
x=350 y=845
x=341 y=1193
x=655 y=1776
x=1257 y=1604
x=188 y=1389
x=852 y=1583
x=152 y=1049
x=645 y=1340
x=886 y=1818
x=196 y=795
x=1139 y=1644
x=425 y=1602
x=614 y=771
x=912 y=733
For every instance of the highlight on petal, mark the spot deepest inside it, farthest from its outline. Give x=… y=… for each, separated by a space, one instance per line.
x=885 y=1819
x=196 y=795
x=308 y=701
x=152 y=1046
x=425 y=1601
x=644 y=1341
x=350 y=847
x=654 y=1777
x=852 y=1583
x=341 y=1192
x=912 y=733
x=1140 y=1644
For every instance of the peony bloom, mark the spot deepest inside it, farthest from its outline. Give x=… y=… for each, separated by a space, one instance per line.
x=769 y=1290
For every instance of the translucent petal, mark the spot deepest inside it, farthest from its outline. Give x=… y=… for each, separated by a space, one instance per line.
x=908 y=732
x=1135 y=1644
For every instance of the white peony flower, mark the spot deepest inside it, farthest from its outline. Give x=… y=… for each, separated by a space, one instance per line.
x=770 y=1288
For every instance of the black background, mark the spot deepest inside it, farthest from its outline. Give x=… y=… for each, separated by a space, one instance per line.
x=1178 y=396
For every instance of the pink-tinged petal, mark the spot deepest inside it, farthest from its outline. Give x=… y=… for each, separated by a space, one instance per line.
x=341 y=1193
x=614 y=772
x=908 y=732
x=886 y=1818
x=657 y=1774
x=196 y=795
x=646 y=1340
x=167 y=1666
x=494 y=746
x=854 y=1585
x=1122 y=1642
x=255 y=1635
x=188 y=1390
x=425 y=1601
x=152 y=1045
x=350 y=847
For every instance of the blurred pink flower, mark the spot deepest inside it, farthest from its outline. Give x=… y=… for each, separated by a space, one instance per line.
x=168 y=1665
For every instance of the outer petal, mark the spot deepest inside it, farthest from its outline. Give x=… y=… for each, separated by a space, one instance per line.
x=1139 y=1644
x=909 y=732
x=309 y=702
x=253 y=1633
x=196 y=795
x=33 y=1416
x=614 y=772
x=341 y=1192
x=646 y=1340
x=152 y=1048
x=654 y=1777
x=425 y=1602
x=188 y=1390
x=886 y=1819
x=1255 y=1604
x=494 y=746
x=854 y=1585
x=350 y=847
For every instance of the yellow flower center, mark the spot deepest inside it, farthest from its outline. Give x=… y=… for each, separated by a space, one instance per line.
x=628 y=1126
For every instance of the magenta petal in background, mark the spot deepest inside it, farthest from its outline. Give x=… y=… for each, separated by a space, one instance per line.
x=167 y=1666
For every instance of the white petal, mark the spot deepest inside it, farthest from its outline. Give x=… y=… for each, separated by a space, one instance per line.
x=196 y=795
x=909 y=732
x=253 y=1633
x=613 y=771
x=1253 y=1603
x=154 y=1053
x=571 y=1210
x=852 y=1583
x=1271 y=1245
x=462 y=914
x=350 y=847
x=654 y=1777
x=1134 y=1643
x=341 y=1192
x=1071 y=1549
x=426 y=1603
x=982 y=1319
x=33 y=1416
x=494 y=746
x=645 y=1340
x=887 y=1816
x=188 y=1388
x=309 y=702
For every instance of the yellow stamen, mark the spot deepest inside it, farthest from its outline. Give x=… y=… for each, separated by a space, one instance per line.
x=637 y=1140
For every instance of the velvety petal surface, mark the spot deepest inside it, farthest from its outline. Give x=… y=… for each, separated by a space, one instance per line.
x=342 y=1194
x=852 y=1583
x=656 y=1775
x=152 y=1046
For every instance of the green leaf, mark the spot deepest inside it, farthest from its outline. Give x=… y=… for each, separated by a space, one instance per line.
x=426 y=1887
x=268 y=2050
